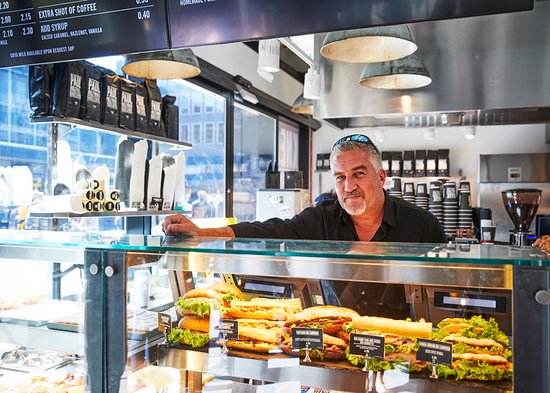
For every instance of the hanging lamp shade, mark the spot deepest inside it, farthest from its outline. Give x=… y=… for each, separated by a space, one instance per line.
x=302 y=106
x=369 y=45
x=170 y=64
x=406 y=73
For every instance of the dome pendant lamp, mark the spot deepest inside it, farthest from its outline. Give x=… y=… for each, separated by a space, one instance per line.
x=169 y=64
x=302 y=106
x=373 y=44
x=406 y=73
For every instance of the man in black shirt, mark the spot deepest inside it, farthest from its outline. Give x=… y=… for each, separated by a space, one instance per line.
x=363 y=211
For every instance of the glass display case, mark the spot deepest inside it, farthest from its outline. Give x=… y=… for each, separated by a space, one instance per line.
x=134 y=288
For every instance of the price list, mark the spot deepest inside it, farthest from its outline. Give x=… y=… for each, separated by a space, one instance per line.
x=40 y=31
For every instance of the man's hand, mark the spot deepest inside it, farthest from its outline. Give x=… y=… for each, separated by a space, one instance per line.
x=179 y=224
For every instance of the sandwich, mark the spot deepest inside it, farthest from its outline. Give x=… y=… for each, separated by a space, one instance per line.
x=199 y=301
x=192 y=330
x=270 y=309
x=334 y=348
x=257 y=335
x=328 y=318
x=481 y=351
x=400 y=341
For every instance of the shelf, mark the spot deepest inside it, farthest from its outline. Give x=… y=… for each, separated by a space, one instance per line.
x=42 y=337
x=114 y=130
x=338 y=375
x=136 y=213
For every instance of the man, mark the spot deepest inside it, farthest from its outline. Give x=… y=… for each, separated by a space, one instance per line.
x=363 y=211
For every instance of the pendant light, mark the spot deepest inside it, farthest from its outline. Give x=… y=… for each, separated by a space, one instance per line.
x=406 y=73
x=302 y=106
x=170 y=64
x=373 y=44
x=269 y=55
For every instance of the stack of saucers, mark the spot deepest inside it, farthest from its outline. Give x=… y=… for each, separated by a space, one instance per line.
x=450 y=208
x=464 y=209
x=421 y=199
x=436 y=202
x=408 y=192
x=395 y=188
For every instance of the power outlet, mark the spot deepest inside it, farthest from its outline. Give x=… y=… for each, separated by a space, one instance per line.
x=514 y=174
x=413 y=294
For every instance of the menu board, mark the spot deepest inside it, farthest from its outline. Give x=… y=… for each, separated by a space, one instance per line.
x=40 y=31
x=201 y=22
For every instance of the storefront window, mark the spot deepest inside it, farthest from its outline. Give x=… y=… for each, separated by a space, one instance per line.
x=254 y=149
x=205 y=162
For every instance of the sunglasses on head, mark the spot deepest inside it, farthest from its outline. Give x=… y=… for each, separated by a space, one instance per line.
x=354 y=138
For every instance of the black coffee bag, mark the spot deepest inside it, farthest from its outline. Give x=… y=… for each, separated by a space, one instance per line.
x=420 y=163
x=397 y=163
x=443 y=168
x=170 y=117
x=431 y=163
x=141 y=108
x=386 y=162
x=408 y=163
x=68 y=88
x=90 y=110
x=40 y=89
x=155 y=107
x=110 y=86
x=127 y=106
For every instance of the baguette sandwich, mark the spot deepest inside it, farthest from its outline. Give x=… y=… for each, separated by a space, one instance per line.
x=192 y=330
x=270 y=309
x=257 y=335
x=400 y=341
x=199 y=301
x=330 y=319
x=481 y=350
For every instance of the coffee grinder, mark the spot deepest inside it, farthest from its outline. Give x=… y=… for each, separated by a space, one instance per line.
x=521 y=205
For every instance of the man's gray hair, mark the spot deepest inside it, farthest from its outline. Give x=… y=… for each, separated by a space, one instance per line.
x=374 y=153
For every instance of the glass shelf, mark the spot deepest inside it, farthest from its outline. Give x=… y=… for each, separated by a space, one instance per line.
x=114 y=130
x=129 y=213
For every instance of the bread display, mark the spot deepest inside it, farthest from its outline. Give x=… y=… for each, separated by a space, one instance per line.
x=543 y=243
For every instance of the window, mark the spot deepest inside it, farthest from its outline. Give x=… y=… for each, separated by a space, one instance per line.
x=289 y=135
x=197 y=102
x=184 y=133
x=220 y=133
x=209 y=104
x=185 y=104
x=197 y=133
x=209 y=133
x=254 y=149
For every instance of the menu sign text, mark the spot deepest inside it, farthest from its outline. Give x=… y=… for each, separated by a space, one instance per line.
x=40 y=31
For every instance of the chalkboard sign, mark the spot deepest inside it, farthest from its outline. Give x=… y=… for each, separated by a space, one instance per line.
x=201 y=22
x=41 y=31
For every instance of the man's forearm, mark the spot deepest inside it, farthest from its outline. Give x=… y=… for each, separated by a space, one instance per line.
x=216 y=232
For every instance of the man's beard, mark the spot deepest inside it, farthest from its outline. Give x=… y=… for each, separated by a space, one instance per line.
x=356 y=206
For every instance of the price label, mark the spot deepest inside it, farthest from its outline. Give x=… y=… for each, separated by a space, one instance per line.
x=164 y=323
x=307 y=337
x=435 y=352
x=366 y=345
x=228 y=329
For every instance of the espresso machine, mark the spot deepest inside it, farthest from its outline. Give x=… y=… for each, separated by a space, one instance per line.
x=521 y=205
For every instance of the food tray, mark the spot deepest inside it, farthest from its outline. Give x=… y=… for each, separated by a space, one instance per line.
x=40 y=314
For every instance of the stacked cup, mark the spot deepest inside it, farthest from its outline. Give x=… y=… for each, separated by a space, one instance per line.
x=450 y=208
x=421 y=199
x=93 y=198
x=408 y=192
x=436 y=200
x=395 y=188
x=464 y=208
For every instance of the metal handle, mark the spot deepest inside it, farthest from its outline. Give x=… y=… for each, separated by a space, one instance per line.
x=93 y=269
x=109 y=271
x=542 y=297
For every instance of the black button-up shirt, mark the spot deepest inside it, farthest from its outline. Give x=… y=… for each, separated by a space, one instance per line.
x=402 y=222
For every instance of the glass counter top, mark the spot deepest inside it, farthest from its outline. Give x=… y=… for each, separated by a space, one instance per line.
x=441 y=253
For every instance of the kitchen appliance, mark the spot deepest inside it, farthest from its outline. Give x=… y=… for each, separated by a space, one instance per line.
x=282 y=203
x=542 y=225
x=521 y=205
